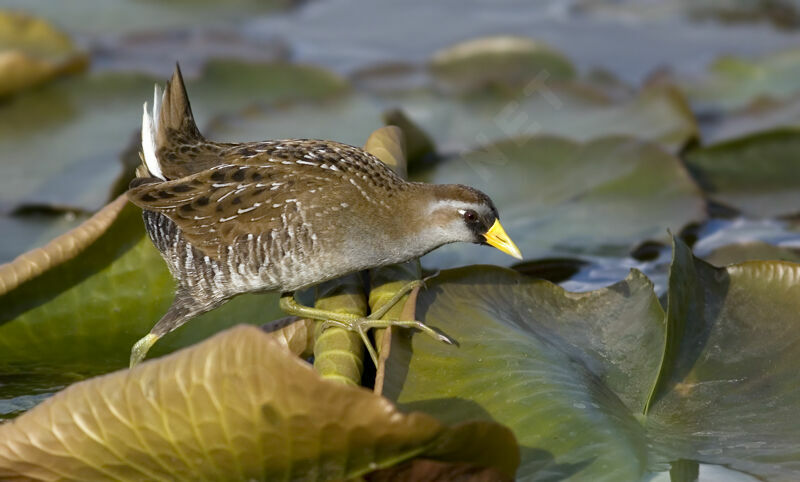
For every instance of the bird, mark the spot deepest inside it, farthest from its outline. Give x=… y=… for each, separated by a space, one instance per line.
x=284 y=215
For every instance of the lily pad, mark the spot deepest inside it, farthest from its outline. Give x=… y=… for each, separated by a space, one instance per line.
x=227 y=86
x=759 y=174
x=348 y=119
x=499 y=61
x=559 y=198
x=541 y=361
x=32 y=52
x=572 y=373
x=726 y=393
x=783 y=14
x=575 y=110
x=734 y=82
x=61 y=143
x=753 y=251
x=758 y=117
x=238 y=405
x=83 y=313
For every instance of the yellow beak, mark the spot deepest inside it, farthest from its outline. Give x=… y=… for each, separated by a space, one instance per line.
x=497 y=237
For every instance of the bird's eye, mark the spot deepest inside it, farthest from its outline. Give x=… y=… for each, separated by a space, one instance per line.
x=470 y=216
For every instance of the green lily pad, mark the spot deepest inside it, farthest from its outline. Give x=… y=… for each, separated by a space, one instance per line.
x=125 y=16
x=544 y=362
x=572 y=373
x=500 y=61
x=752 y=251
x=780 y=14
x=758 y=117
x=61 y=143
x=105 y=284
x=734 y=82
x=84 y=313
x=32 y=52
x=559 y=198
x=726 y=393
x=348 y=119
x=236 y=406
x=758 y=174
x=228 y=86
x=575 y=110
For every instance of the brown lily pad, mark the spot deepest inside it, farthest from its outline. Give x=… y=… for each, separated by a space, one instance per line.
x=32 y=51
x=237 y=405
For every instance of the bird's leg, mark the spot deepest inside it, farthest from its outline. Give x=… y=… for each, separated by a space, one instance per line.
x=183 y=308
x=290 y=306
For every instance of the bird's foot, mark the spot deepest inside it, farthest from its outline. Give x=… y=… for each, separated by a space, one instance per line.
x=362 y=325
x=140 y=349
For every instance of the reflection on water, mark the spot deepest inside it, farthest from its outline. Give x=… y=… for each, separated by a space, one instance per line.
x=712 y=235
x=720 y=232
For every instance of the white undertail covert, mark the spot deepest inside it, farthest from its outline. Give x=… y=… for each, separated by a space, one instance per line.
x=149 y=129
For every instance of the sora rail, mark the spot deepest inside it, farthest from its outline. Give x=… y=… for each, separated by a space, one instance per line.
x=284 y=215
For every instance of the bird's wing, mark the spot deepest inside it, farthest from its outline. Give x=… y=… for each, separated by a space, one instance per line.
x=215 y=207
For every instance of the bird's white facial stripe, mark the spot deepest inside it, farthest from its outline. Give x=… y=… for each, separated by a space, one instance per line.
x=459 y=206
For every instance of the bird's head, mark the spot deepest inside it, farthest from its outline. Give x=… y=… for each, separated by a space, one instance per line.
x=457 y=213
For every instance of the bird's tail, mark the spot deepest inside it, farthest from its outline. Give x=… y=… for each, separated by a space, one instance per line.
x=168 y=126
